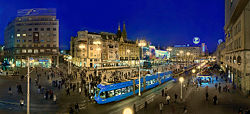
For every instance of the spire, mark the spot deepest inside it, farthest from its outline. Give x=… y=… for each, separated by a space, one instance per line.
x=121 y=39
x=119 y=27
x=124 y=33
x=119 y=33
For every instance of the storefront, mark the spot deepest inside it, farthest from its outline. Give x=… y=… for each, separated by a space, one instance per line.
x=45 y=62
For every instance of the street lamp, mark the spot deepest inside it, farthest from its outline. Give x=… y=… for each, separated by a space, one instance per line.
x=128 y=52
x=181 y=79
x=127 y=111
x=69 y=64
x=187 y=59
x=193 y=71
x=141 y=45
x=28 y=88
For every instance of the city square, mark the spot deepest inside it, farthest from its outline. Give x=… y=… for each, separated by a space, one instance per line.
x=125 y=57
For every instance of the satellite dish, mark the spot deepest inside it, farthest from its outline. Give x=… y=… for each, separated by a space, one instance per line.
x=196 y=40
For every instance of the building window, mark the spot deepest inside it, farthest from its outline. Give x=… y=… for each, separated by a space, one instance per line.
x=239 y=60
x=36 y=34
x=48 y=45
x=30 y=29
x=36 y=29
x=54 y=45
x=17 y=40
x=54 y=29
x=24 y=45
x=234 y=59
x=42 y=29
x=18 y=30
x=47 y=50
x=24 y=40
x=42 y=50
x=54 y=34
x=35 y=50
x=23 y=50
x=18 y=35
x=48 y=29
x=30 y=40
x=29 y=50
x=54 y=50
x=24 y=35
x=17 y=51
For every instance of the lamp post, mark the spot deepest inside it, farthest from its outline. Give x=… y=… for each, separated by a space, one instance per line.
x=69 y=64
x=28 y=88
x=128 y=52
x=188 y=54
x=181 y=52
x=141 y=45
x=181 y=79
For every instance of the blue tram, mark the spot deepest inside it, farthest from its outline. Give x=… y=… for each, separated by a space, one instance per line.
x=107 y=92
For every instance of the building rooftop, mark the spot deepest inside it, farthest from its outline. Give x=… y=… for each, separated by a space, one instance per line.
x=36 y=12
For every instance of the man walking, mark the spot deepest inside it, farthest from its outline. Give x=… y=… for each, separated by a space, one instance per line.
x=168 y=99
x=175 y=96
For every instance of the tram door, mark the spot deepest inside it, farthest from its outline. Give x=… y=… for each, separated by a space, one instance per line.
x=144 y=83
x=159 y=78
x=134 y=87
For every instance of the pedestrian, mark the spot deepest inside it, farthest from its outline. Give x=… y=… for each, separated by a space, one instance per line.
x=216 y=85
x=161 y=107
x=175 y=96
x=168 y=99
x=185 y=109
x=215 y=100
x=71 y=110
x=162 y=92
x=206 y=96
x=145 y=105
x=240 y=111
x=219 y=88
x=10 y=91
x=54 y=98
x=68 y=92
x=134 y=109
x=77 y=107
x=80 y=90
x=21 y=102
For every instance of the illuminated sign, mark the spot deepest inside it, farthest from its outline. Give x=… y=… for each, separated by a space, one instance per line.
x=220 y=41
x=203 y=47
x=196 y=40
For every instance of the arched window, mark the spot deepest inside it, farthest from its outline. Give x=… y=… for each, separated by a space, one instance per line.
x=234 y=60
x=239 y=60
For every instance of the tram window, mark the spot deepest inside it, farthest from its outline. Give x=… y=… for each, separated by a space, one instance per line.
x=137 y=86
x=117 y=92
x=111 y=93
x=97 y=91
x=103 y=95
x=147 y=83
x=124 y=90
x=130 y=89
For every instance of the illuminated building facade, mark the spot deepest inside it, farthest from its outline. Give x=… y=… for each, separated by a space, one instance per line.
x=33 y=33
x=236 y=57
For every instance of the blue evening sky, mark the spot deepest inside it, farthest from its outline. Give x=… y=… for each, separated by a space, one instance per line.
x=163 y=22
